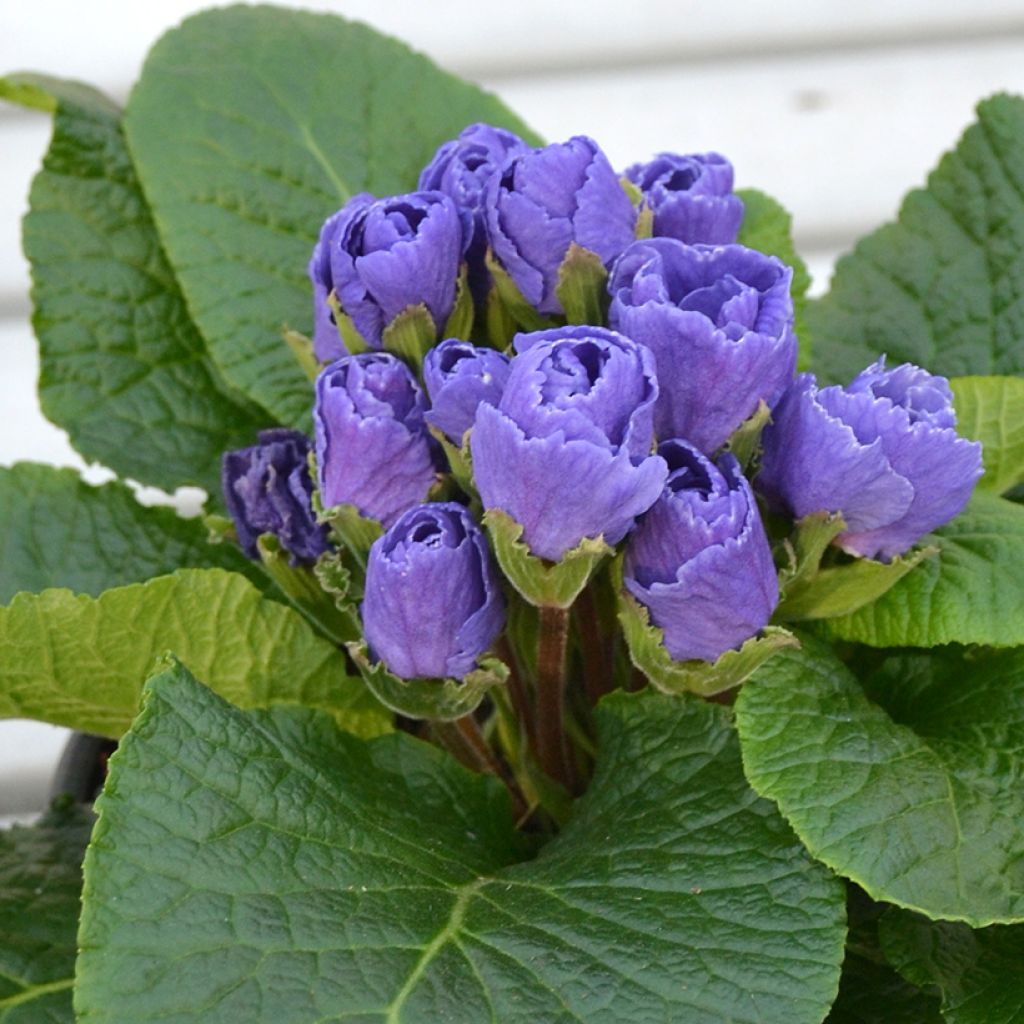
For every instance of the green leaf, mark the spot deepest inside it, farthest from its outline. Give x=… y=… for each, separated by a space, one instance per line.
x=971 y=592
x=40 y=886
x=250 y=126
x=582 y=287
x=58 y=531
x=991 y=410
x=81 y=661
x=922 y=809
x=123 y=368
x=384 y=883
x=978 y=973
x=941 y=287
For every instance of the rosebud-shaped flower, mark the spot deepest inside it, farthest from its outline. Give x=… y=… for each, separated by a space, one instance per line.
x=459 y=376
x=267 y=489
x=373 y=449
x=691 y=197
x=433 y=604
x=546 y=199
x=700 y=560
x=883 y=451
x=384 y=255
x=327 y=342
x=719 y=321
x=461 y=169
x=566 y=453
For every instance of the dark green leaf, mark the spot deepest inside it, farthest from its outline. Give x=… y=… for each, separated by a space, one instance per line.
x=250 y=126
x=943 y=286
x=124 y=370
x=265 y=866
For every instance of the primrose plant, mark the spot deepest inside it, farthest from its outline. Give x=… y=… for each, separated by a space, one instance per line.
x=585 y=625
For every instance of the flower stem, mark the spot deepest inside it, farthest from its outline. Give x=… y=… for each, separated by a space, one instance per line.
x=517 y=690
x=552 y=751
x=597 y=662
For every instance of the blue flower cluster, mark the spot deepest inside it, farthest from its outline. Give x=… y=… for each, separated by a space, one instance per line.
x=616 y=429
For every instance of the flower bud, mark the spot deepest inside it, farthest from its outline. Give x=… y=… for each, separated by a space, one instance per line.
x=699 y=560
x=433 y=604
x=459 y=376
x=327 y=343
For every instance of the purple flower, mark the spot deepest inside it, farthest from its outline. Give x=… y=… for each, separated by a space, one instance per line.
x=267 y=489
x=433 y=603
x=719 y=321
x=461 y=169
x=327 y=343
x=883 y=451
x=372 y=446
x=546 y=199
x=459 y=376
x=381 y=256
x=566 y=453
x=699 y=560
x=691 y=197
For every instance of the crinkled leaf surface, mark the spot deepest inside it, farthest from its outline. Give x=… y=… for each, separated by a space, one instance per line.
x=971 y=592
x=991 y=410
x=978 y=972
x=123 y=368
x=58 y=531
x=81 y=661
x=250 y=126
x=921 y=807
x=40 y=885
x=264 y=866
x=943 y=286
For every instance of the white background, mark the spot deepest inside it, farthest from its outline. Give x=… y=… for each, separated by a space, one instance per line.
x=835 y=108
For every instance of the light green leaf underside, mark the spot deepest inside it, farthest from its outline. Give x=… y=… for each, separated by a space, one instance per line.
x=40 y=884
x=250 y=126
x=81 y=661
x=58 y=531
x=971 y=592
x=123 y=368
x=991 y=410
x=383 y=883
x=942 y=287
x=922 y=809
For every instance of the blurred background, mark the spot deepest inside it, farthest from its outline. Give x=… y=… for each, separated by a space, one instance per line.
x=834 y=108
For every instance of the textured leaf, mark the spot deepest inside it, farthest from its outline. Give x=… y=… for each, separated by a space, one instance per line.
x=971 y=592
x=250 y=126
x=40 y=885
x=991 y=410
x=978 y=973
x=381 y=882
x=921 y=809
x=81 y=661
x=943 y=286
x=58 y=531
x=123 y=368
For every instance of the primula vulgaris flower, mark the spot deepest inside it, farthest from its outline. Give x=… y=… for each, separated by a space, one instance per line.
x=882 y=451
x=691 y=197
x=700 y=560
x=546 y=199
x=459 y=376
x=433 y=603
x=719 y=321
x=373 y=449
x=566 y=452
x=461 y=169
x=382 y=255
x=267 y=489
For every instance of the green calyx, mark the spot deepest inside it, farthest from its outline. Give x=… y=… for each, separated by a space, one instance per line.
x=582 y=287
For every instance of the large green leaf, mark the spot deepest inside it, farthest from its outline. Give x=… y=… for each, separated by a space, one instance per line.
x=40 y=885
x=123 y=368
x=58 y=531
x=81 y=661
x=264 y=866
x=942 y=287
x=971 y=592
x=978 y=973
x=250 y=126
x=991 y=410
x=923 y=807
